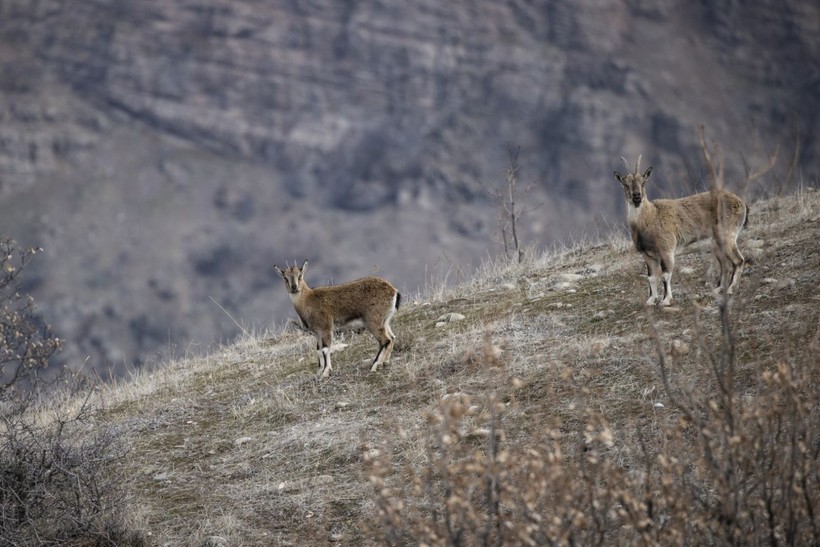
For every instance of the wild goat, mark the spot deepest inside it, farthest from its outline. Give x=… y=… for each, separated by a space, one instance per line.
x=661 y=227
x=371 y=300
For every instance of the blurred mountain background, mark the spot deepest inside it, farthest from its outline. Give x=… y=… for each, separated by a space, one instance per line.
x=167 y=154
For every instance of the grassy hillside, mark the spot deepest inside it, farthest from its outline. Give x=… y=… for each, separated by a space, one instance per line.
x=544 y=406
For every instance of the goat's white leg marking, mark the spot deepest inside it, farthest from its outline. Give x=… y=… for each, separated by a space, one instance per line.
x=385 y=336
x=667 y=289
x=652 y=267
x=324 y=362
x=667 y=263
x=377 y=360
x=737 y=264
x=385 y=345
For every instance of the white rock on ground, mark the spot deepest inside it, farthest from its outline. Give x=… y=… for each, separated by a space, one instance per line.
x=449 y=318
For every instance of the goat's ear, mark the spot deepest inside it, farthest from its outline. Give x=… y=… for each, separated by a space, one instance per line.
x=647 y=173
x=618 y=176
x=280 y=272
x=304 y=267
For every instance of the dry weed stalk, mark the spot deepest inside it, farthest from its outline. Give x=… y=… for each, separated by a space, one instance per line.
x=509 y=211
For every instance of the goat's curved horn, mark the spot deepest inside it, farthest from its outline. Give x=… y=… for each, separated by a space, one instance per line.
x=638 y=166
x=623 y=159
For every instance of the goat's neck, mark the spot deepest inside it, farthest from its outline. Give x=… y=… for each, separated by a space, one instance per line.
x=304 y=291
x=634 y=214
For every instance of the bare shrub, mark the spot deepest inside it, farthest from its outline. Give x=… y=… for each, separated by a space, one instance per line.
x=57 y=479
x=509 y=209
x=26 y=344
x=746 y=463
x=57 y=485
x=720 y=469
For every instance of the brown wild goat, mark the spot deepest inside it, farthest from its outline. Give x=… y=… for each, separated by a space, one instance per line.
x=371 y=300
x=659 y=228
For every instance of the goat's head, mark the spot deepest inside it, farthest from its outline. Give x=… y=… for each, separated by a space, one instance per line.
x=293 y=276
x=634 y=183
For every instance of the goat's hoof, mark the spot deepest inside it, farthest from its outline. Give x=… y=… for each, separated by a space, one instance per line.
x=652 y=301
x=665 y=303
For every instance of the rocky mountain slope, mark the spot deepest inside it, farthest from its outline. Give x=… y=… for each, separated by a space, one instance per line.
x=168 y=153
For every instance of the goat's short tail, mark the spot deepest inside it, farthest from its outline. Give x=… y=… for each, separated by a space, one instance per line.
x=748 y=213
x=398 y=299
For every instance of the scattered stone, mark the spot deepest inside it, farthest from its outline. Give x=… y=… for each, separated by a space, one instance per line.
x=159 y=477
x=754 y=243
x=786 y=284
x=687 y=270
x=449 y=318
x=768 y=280
x=440 y=324
x=599 y=315
x=288 y=486
x=571 y=291
x=679 y=347
x=658 y=405
x=570 y=277
x=295 y=486
x=478 y=434
x=341 y=405
x=670 y=309
x=337 y=346
x=243 y=440
x=557 y=305
x=507 y=286
x=564 y=285
x=215 y=541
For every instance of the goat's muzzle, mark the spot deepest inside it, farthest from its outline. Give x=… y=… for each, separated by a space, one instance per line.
x=636 y=199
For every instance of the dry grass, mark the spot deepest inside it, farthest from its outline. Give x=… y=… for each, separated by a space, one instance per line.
x=556 y=357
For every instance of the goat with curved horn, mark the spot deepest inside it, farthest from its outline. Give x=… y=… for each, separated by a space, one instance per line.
x=659 y=228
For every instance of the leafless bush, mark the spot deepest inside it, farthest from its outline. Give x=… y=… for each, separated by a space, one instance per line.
x=761 y=179
x=746 y=463
x=509 y=209
x=26 y=344
x=57 y=479
x=721 y=469
x=57 y=486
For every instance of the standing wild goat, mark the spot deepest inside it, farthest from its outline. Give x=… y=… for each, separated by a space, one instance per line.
x=660 y=227
x=371 y=300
